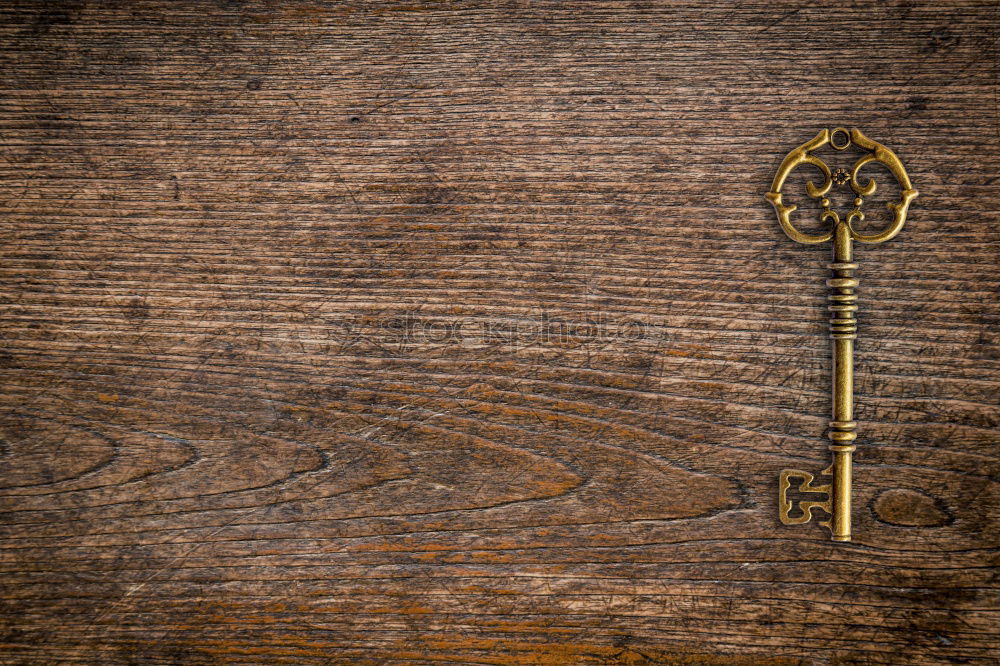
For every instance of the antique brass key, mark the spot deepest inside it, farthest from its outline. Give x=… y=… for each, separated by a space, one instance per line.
x=835 y=497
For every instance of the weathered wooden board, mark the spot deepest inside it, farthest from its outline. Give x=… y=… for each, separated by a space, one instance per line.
x=378 y=332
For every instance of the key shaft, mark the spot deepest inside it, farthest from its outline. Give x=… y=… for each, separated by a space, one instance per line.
x=843 y=331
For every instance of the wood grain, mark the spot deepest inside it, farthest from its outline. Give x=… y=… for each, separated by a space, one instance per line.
x=413 y=332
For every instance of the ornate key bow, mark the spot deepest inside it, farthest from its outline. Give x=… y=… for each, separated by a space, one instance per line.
x=843 y=305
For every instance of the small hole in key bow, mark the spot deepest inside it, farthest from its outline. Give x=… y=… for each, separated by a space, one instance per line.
x=840 y=138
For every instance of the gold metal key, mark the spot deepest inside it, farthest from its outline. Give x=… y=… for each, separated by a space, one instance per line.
x=834 y=497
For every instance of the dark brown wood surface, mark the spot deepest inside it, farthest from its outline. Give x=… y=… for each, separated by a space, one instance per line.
x=413 y=332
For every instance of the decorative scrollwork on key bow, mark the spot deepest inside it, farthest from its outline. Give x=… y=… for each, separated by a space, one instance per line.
x=877 y=153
